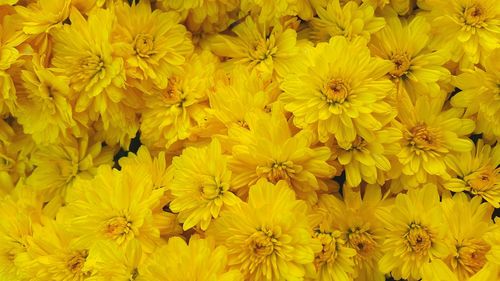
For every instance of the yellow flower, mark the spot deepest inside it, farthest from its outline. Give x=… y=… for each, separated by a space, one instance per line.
x=240 y=94
x=477 y=172
x=199 y=261
x=350 y=20
x=82 y=51
x=467 y=222
x=107 y=261
x=153 y=45
x=41 y=16
x=172 y=113
x=155 y=168
x=480 y=94
x=367 y=160
x=414 y=232
x=268 y=51
x=201 y=185
x=405 y=44
x=430 y=134
x=52 y=255
x=114 y=206
x=334 y=260
x=58 y=166
x=468 y=28
x=208 y=16
x=42 y=102
x=270 y=13
x=268 y=149
x=19 y=214
x=340 y=92
x=267 y=238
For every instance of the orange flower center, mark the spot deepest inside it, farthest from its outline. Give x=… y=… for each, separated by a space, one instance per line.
x=471 y=255
x=362 y=241
x=401 y=65
x=117 y=227
x=418 y=239
x=144 y=45
x=474 y=16
x=262 y=243
x=76 y=262
x=336 y=91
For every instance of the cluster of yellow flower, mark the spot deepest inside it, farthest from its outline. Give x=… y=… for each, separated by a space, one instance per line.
x=328 y=140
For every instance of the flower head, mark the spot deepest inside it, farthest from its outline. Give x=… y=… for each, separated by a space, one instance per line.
x=341 y=91
x=267 y=238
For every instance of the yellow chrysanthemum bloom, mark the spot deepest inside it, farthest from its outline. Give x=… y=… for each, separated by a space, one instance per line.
x=19 y=213
x=172 y=113
x=414 y=232
x=208 y=16
x=350 y=20
x=52 y=255
x=269 y=237
x=114 y=206
x=201 y=185
x=82 y=51
x=477 y=172
x=43 y=108
x=405 y=44
x=268 y=51
x=367 y=160
x=156 y=168
x=268 y=149
x=41 y=16
x=430 y=134
x=468 y=28
x=269 y=13
x=10 y=39
x=152 y=43
x=107 y=261
x=467 y=221
x=480 y=94
x=58 y=166
x=335 y=260
x=341 y=91
x=240 y=94
x=199 y=261
x=15 y=148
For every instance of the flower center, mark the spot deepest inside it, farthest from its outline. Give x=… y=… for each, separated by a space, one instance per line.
x=90 y=66
x=474 y=15
x=362 y=241
x=117 y=227
x=262 y=243
x=144 y=45
x=401 y=65
x=418 y=239
x=471 y=255
x=483 y=179
x=262 y=50
x=6 y=163
x=329 y=243
x=358 y=144
x=280 y=171
x=173 y=93
x=211 y=191
x=76 y=262
x=336 y=91
x=422 y=137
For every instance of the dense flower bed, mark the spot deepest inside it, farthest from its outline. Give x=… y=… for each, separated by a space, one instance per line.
x=282 y=140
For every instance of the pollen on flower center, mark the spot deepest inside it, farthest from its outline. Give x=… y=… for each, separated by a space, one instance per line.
x=358 y=144
x=118 y=226
x=173 y=93
x=362 y=241
x=422 y=137
x=211 y=191
x=474 y=16
x=329 y=251
x=418 y=239
x=401 y=65
x=77 y=261
x=336 y=91
x=144 y=45
x=483 y=179
x=280 y=171
x=471 y=255
x=262 y=243
x=90 y=66
x=262 y=50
